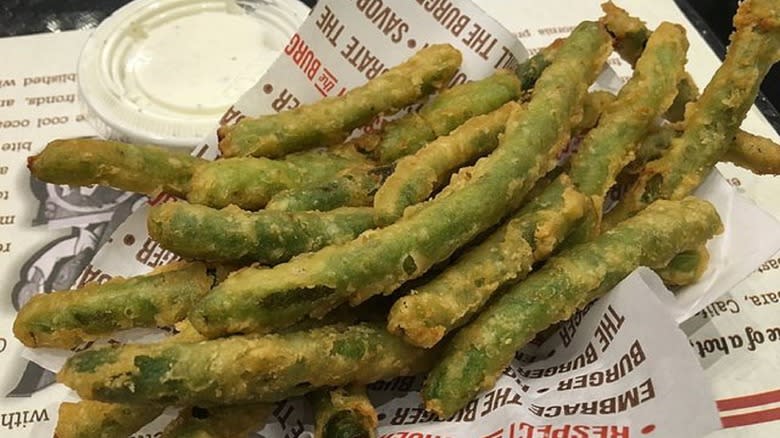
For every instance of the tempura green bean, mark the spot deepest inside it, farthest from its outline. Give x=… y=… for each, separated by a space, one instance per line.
x=353 y=187
x=245 y=182
x=250 y=183
x=218 y=422
x=651 y=148
x=66 y=319
x=343 y=413
x=529 y=71
x=685 y=268
x=596 y=103
x=758 y=154
x=94 y=419
x=143 y=169
x=242 y=369
x=631 y=36
x=417 y=176
x=450 y=109
x=234 y=235
x=331 y=120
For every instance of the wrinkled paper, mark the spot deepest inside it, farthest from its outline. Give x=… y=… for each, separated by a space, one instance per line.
x=619 y=368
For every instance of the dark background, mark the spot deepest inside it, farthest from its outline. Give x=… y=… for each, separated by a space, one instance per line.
x=22 y=17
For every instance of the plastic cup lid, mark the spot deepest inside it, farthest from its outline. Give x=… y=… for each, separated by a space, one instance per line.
x=164 y=71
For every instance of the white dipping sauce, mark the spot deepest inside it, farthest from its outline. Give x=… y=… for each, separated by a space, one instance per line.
x=216 y=56
x=164 y=71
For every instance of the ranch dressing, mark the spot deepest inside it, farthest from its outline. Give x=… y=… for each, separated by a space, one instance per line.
x=164 y=71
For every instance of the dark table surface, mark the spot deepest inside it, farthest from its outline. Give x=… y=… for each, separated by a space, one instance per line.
x=23 y=17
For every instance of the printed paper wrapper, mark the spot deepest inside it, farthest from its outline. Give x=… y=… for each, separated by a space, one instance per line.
x=619 y=368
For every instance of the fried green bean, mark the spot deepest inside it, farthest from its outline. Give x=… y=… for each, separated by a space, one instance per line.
x=630 y=34
x=529 y=71
x=417 y=176
x=458 y=104
x=354 y=187
x=67 y=319
x=477 y=354
x=143 y=169
x=94 y=419
x=450 y=109
x=399 y=137
x=218 y=422
x=250 y=182
x=246 y=182
x=261 y=300
x=712 y=121
x=685 y=268
x=455 y=106
x=331 y=120
x=243 y=369
x=651 y=148
x=630 y=37
x=758 y=154
x=445 y=303
x=687 y=92
x=234 y=235
x=596 y=103
x=343 y=413
x=91 y=419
